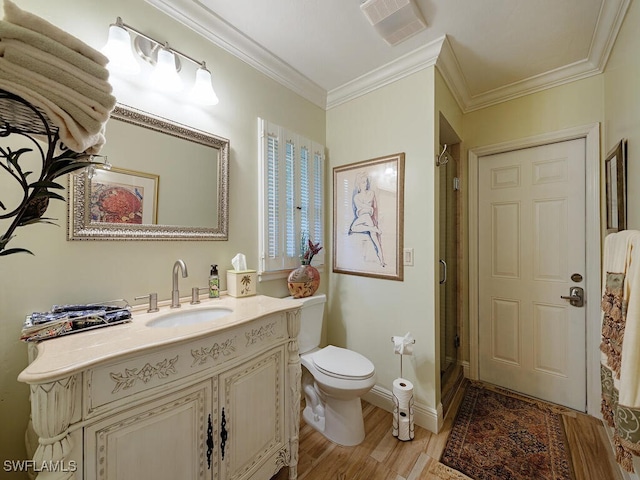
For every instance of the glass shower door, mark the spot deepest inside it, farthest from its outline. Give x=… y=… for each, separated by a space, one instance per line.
x=449 y=258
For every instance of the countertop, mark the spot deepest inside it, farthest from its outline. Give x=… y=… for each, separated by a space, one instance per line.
x=63 y=356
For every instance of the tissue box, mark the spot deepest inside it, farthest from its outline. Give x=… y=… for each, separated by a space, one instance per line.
x=241 y=283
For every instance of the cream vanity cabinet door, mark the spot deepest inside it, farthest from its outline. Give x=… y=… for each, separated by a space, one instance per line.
x=164 y=439
x=251 y=415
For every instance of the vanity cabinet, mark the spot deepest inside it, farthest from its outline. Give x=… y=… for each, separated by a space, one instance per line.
x=218 y=405
x=252 y=423
x=161 y=439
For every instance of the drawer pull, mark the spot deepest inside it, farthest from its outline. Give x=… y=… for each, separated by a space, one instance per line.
x=209 y=442
x=223 y=433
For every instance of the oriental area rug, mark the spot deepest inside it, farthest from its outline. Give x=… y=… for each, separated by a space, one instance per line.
x=499 y=435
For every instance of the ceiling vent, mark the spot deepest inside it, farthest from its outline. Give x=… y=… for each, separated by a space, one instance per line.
x=394 y=20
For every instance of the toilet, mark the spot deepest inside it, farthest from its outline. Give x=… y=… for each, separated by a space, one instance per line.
x=333 y=380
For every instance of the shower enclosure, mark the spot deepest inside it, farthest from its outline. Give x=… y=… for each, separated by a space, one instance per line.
x=449 y=261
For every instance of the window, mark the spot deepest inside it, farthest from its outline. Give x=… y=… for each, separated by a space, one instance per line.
x=291 y=196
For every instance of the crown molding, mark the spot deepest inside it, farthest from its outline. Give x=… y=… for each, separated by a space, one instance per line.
x=408 y=64
x=440 y=53
x=554 y=78
x=202 y=20
x=609 y=22
x=448 y=66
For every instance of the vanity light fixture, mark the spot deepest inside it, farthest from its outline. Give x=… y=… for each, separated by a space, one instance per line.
x=165 y=76
x=165 y=59
x=202 y=90
x=118 y=50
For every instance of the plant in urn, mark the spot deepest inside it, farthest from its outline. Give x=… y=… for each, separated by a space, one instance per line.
x=305 y=280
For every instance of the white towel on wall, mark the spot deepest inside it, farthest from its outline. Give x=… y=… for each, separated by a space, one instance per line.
x=71 y=133
x=13 y=14
x=79 y=107
x=86 y=111
x=46 y=44
x=56 y=69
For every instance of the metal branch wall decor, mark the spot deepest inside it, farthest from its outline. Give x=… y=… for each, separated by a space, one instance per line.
x=32 y=159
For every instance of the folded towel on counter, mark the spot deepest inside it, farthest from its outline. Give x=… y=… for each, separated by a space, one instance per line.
x=51 y=67
x=89 y=113
x=66 y=319
x=46 y=44
x=13 y=14
x=71 y=133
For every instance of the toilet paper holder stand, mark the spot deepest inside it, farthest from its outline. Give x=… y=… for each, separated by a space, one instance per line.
x=413 y=341
x=403 y=427
x=402 y=424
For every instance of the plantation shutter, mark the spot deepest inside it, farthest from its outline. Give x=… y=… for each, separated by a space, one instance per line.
x=291 y=233
x=318 y=198
x=292 y=197
x=273 y=207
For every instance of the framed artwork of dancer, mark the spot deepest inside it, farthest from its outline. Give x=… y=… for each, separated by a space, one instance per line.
x=368 y=212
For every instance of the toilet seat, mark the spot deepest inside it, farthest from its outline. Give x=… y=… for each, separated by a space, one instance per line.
x=339 y=362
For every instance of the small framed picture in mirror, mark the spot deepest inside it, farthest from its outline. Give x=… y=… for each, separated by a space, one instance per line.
x=615 y=166
x=123 y=196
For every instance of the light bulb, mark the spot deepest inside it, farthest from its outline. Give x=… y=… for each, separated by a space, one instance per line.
x=165 y=76
x=202 y=91
x=118 y=51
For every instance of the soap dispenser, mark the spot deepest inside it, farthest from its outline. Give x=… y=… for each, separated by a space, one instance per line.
x=214 y=282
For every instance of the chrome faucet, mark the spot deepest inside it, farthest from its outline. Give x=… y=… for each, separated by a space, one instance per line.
x=175 y=293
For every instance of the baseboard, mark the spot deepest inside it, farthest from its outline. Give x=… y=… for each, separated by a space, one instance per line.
x=466 y=369
x=423 y=415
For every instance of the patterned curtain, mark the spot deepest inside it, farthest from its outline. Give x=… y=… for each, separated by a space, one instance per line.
x=620 y=345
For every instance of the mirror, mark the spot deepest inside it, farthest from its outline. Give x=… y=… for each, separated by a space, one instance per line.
x=167 y=182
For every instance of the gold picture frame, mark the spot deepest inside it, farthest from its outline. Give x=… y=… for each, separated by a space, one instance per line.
x=615 y=167
x=368 y=218
x=122 y=197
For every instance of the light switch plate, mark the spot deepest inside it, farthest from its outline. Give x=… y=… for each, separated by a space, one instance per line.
x=408 y=257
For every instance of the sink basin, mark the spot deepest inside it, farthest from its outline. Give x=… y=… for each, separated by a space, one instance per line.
x=189 y=317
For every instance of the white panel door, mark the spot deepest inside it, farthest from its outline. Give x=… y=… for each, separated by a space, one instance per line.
x=531 y=225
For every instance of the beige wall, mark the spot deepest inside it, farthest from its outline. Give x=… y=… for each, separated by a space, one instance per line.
x=402 y=117
x=622 y=101
x=66 y=272
x=364 y=313
x=574 y=104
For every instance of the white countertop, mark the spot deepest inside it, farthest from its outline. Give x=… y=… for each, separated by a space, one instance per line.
x=63 y=356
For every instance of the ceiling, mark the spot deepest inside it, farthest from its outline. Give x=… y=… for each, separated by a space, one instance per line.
x=488 y=51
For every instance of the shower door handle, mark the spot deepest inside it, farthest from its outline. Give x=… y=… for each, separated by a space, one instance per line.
x=444 y=269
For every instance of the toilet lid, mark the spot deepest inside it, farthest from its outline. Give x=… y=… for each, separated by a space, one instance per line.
x=342 y=363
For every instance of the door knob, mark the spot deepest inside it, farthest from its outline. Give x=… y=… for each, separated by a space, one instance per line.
x=576 y=296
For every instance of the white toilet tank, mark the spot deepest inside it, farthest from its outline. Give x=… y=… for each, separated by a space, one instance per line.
x=311 y=317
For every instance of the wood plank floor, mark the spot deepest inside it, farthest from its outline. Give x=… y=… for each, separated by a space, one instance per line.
x=382 y=457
